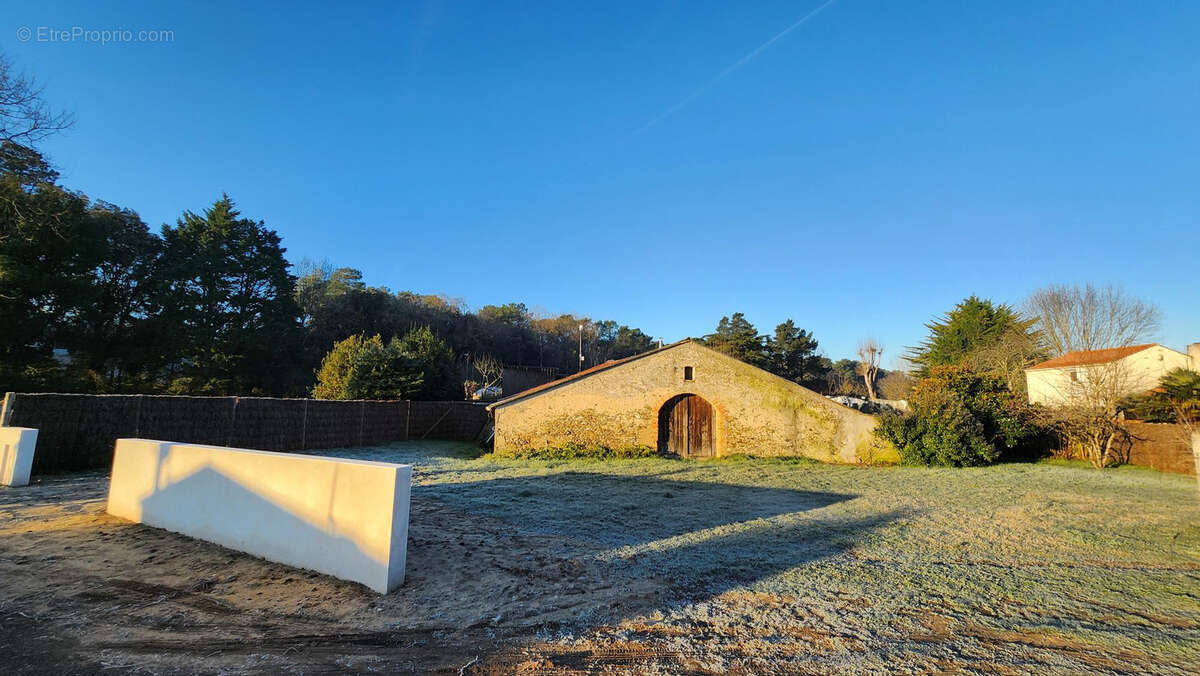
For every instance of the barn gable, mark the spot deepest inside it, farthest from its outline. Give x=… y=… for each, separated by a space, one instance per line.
x=687 y=399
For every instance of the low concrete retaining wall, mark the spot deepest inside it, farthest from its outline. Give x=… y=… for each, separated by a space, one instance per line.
x=345 y=518
x=77 y=431
x=16 y=455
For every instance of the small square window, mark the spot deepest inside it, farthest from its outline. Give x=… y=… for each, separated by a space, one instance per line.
x=687 y=373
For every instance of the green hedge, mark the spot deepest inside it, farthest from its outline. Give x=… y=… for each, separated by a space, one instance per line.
x=573 y=451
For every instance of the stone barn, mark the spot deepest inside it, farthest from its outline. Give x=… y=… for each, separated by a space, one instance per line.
x=689 y=400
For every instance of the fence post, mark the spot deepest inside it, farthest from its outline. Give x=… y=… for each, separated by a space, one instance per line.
x=304 y=428
x=137 y=418
x=407 y=419
x=6 y=409
x=362 y=414
x=232 y=423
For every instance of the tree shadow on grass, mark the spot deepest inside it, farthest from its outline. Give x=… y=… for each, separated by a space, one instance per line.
x=660 y=543
x=616 y=511
x=702 y=537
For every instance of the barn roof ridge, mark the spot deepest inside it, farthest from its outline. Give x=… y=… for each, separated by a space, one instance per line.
x=585 y=373
x=554 y=384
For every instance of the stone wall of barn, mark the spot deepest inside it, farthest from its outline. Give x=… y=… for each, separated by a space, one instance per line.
x=756 y=413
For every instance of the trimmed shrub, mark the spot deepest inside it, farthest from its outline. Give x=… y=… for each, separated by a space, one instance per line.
x=947 y=435
x=367 y=368
x=961 y=418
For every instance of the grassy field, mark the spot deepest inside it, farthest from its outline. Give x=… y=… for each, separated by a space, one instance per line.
x=745 y=565
x=766 y=563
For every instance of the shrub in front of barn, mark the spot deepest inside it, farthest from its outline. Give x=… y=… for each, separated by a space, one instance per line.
x=576 y=451
x=962 y=418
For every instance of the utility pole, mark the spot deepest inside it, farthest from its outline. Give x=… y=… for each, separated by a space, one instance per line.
x=580 y=348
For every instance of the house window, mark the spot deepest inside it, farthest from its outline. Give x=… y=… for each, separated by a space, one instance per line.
x=687 y=373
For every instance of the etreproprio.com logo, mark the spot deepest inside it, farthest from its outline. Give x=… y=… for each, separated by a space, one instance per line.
x=100 y=36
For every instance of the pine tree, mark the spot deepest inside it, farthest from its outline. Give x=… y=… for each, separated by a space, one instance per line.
x=435 y=360
x=367 y=368
x=228 y=300
x=792 y=354
x=973 y=327
x=737 y=337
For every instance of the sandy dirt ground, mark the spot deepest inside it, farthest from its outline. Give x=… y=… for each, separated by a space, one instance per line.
x=661 y=566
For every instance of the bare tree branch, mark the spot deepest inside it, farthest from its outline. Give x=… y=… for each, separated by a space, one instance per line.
x=870 y=353
x=1076 y=318
x=25 y=118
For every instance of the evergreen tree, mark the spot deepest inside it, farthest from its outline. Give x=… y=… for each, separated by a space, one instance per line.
x=974 y=327
x=737 y=337
x=435 y=361
x=628 y=342
x=1176 y=399
x=42 y=274
x=108 y=333
x=791 y=353
x=367 y=368
x=227 y=299
x=513 y=314
x=25 y=165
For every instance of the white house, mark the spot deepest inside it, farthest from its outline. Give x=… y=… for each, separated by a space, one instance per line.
x=1128 y=370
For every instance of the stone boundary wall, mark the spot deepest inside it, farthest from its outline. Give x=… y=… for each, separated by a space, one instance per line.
x=1163 y=446
x=77 y=431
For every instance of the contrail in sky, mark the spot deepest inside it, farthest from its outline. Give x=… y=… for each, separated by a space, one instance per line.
x=732 y=67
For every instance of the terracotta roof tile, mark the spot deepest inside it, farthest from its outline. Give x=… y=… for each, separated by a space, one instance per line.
x=1085 y=357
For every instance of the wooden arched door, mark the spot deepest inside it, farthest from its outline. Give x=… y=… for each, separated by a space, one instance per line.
x=685 y=427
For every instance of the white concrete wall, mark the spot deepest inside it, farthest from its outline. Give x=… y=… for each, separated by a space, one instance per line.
x=16 y=455
x=346 y=518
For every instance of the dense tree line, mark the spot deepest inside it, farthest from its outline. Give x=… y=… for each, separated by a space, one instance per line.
x=93 y=301
x=336 y=303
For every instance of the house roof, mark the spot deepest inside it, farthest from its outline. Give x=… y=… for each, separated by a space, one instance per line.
x=1085 y=357
x=582 y=374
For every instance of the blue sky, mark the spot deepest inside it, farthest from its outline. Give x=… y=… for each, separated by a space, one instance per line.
x=860 y=175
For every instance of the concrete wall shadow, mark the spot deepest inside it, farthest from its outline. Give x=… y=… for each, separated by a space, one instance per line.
x=252 y=524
